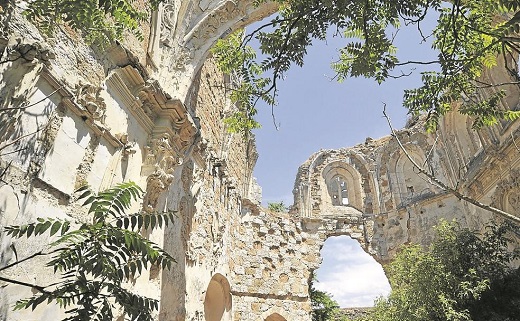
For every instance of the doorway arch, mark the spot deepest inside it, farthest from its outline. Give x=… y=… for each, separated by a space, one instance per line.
x=218 y=298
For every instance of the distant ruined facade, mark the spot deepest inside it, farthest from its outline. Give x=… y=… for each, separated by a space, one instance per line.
x=151 y=111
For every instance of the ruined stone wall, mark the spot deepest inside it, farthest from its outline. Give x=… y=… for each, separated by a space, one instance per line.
x=270 y=266
x=232 y=154
x=273 y=257
x=397 y=204
x=152 y=112
x=209 y=198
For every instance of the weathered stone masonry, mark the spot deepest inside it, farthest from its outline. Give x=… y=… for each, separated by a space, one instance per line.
x=151 y=111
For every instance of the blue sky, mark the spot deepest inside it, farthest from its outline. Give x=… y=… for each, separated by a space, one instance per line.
x=315 y=112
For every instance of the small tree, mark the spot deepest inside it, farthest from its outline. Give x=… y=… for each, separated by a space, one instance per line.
x=277 y=207
x=93 y=261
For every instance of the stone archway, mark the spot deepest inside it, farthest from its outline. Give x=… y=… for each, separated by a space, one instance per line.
x=349 y=273
x=218 y=298
x=178 y=50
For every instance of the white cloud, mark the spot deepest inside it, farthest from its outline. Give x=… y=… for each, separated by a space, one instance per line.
x=352 y=276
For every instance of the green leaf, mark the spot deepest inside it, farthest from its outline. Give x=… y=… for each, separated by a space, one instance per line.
x=30 y=229
x=65 y=227
x=55 y=227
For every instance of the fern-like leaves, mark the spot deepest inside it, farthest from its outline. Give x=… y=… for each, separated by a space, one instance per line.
x=114 y=201
x=95 y=259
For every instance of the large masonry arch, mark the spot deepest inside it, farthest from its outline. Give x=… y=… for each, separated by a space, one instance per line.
x=345 y=263
x=182 y=32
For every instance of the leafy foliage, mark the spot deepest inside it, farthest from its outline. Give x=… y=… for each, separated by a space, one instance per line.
x=459 y=277
x=96 y=259
x=277 y=207
x=251 y=84
x=469 y=37
x=101 y=21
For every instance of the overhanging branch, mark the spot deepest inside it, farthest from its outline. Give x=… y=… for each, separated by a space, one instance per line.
x=437 y=182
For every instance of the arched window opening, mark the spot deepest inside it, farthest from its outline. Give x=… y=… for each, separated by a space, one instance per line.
x=349 y=274
x=218 y=298
x=341 y=186
x=338 y=191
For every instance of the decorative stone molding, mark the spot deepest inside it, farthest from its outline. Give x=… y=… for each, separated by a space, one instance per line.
x=507 y=194
x=163 y=27
x=128 y=147
x=171 y=128
x=181 y=56
x=184 y=31
x=207 y=27
x=168 y=23
x=156 y=111
x=88 y=96
x=161 y=154
x=69 y=101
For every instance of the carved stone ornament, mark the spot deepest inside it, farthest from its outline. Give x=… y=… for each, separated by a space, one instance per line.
x=507 y=194
x=160 y=153
x=128 y=147
x=169 y=22
x=88 y=96
x=179 y=58
x=147 y=95
x=163 y=27
x=218 y=18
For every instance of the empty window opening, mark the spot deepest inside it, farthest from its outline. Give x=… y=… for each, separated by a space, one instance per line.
x=349 y=274
x=338 y=191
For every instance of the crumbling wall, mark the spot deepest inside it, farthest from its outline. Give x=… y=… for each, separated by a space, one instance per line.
x=207 y=199
x=270 y=266
x=152 y=111
x=403 y=205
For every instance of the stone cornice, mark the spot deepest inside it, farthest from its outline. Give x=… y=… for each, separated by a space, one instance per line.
x=71 y=103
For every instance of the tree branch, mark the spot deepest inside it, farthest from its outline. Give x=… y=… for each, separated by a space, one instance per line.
x=445 y=187
x=40 y=253
x=33 y=104
x=32 y=286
